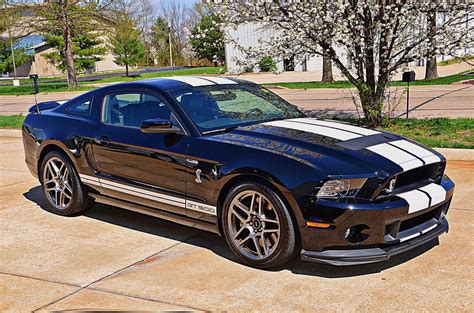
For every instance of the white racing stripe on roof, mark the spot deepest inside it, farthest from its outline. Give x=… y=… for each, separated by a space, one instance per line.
x=427 y=156
x=193 y=81
x=315 y=129
x=351 y=128
x=416 y=200
x=219 y=80
x=397 y=156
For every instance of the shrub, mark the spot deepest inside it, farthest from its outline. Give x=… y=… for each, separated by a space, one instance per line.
x=267 y=64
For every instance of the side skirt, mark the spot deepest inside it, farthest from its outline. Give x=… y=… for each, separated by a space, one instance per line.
x=175 y=218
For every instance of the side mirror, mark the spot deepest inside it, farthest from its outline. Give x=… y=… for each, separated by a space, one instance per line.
x=158 y=126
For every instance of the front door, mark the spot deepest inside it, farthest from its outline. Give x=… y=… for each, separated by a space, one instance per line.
x=145 y=168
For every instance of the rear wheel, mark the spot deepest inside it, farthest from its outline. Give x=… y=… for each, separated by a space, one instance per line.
x=61 y=186
x=257 y=226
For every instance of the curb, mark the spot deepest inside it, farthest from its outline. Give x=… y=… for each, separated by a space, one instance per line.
x=449 y=153
x=10 y=133
x=457 y=154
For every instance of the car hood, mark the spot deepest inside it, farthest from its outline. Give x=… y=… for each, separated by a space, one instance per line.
x=337 y=148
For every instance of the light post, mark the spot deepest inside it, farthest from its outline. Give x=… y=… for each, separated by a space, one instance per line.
x=169 y=38
x=408 y=77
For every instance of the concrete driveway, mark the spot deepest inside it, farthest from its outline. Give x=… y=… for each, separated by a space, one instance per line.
x=114 y=259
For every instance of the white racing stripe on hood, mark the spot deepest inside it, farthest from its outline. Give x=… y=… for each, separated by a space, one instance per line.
x=314 y=129
x=427 y=156
x=401 y=152
x=341 y=126
x=397 y=156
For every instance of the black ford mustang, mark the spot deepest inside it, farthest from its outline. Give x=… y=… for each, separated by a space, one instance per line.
x=230 y=157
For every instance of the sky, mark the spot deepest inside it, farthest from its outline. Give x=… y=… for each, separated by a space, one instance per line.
x=188 y=3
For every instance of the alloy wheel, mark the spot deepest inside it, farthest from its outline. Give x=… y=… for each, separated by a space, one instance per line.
x=57 y=183
x=253 y=224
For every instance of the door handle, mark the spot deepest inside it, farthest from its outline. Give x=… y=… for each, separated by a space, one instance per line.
x=192 y=162
x=101 y=140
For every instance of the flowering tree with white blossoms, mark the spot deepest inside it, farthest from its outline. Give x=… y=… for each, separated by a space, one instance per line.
x=379 y=37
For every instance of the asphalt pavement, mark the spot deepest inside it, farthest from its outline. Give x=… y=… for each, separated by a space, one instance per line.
x=455 y=100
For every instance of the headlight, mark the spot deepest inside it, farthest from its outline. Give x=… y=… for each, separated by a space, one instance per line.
x=341 y=188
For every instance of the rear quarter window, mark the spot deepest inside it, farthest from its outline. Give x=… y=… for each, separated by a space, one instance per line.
x=82 y=106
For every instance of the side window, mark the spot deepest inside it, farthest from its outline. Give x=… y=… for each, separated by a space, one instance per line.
x=82 y=106
x=130 y=109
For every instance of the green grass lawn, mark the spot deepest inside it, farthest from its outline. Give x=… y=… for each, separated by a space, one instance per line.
x=345 y=84
x=436 y=132
x=26 y=87
x=11 y=121
x=456 y=60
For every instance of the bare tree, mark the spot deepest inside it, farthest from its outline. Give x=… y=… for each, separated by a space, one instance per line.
x=178 y=15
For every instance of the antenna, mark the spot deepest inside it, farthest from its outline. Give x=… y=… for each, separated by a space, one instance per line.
x=34 y=77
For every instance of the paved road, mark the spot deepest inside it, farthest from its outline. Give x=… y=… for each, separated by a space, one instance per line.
x=95 y=77
x=113 y=259
x=425 y=101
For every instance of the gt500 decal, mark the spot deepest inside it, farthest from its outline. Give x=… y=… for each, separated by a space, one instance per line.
x=195 y=206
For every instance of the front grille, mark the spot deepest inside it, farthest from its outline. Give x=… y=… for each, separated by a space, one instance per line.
x=401 y=228
x=420 y=219
x=433 y=172
x=412 y=179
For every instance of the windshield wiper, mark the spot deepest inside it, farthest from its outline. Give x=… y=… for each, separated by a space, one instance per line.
x=220 y=130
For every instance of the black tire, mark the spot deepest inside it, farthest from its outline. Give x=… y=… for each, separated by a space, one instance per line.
x=79 y=200
x=283 y=250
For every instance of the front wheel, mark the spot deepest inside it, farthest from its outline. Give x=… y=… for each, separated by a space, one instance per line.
x=257 y=226
x=61 y=186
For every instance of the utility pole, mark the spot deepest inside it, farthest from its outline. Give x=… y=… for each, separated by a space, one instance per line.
x=169 y=38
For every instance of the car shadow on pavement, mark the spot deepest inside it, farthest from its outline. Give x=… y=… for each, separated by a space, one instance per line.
x=217 y=244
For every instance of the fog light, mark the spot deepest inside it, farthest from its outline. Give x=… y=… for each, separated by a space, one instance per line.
x=357 y=233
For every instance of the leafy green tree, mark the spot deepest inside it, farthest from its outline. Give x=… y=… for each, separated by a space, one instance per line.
x=73 y=28
x=6 y=59
x=87 y=48
x=207 y=39
x=126 y=44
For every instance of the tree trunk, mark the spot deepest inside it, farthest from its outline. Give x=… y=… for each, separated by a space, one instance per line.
x=372 y=106
x=68 y=52
x=126 y=70
x=431 y=66
x=327 y=70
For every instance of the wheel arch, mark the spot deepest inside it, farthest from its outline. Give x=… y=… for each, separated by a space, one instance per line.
x=268 y=181
x=49 y=147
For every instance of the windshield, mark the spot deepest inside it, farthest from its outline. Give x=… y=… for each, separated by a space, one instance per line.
x=215 y=108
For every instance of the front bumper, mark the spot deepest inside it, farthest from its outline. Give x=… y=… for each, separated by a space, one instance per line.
x=372 y=231
x=372 y=255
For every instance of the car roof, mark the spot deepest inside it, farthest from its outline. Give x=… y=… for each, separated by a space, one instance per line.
x=180 y=82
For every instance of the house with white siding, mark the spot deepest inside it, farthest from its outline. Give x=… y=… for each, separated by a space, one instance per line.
x=250 y=35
